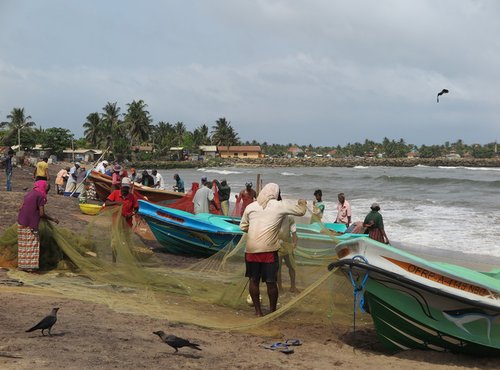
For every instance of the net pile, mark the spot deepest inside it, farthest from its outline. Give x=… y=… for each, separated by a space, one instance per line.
x=107 y=263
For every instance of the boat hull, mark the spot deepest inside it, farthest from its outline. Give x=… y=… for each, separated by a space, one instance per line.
x=423 y=304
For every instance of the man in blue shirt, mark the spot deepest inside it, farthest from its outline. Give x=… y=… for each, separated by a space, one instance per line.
x=8 y=169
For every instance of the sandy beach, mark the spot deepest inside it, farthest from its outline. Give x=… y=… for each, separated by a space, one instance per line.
x=90 y=335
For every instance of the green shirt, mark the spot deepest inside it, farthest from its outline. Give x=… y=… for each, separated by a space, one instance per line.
x=376 y=217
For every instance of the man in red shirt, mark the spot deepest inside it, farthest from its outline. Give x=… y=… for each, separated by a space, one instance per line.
x=126 y=199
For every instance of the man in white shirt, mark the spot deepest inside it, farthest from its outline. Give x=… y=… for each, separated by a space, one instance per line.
x=159 y=182
x=101 y=167
x=262 y=222
x=204 y=195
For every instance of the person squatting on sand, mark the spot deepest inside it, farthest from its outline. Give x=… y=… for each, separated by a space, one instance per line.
x=126 y=199
x=28 y=238
x=374 y=224
x=262 y=222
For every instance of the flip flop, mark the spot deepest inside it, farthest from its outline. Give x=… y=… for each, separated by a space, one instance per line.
x=293 y=342
x=278 y=346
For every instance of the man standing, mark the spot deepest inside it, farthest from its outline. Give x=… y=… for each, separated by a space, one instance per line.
x=204 y=195
x=158 y=179
x=288 y=240
x=8 y=169
x=42 y=170
x=224 y=192
x=30 y=213
x=126 y=199
x=101 y=167
x=262 y=222
x=73 y=176
x=375 y=225
x=245 y=197
x=318 y=206
x=343 y=211
x=179 y=184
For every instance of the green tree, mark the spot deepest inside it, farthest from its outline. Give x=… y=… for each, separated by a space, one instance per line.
x=111 y=125
x=223 y=133
x=57 y=139
x=163 y=137
x=138 y=122
x=200 y=136
x=179 y=132
x=18 y=121
x=92 y=129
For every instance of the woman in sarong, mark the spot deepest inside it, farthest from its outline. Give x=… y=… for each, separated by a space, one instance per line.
x=375 y=225
x=28 y=239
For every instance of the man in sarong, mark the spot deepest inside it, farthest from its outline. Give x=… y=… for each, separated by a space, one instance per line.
x=30 y=213
x=262 y=222
x=375 y=225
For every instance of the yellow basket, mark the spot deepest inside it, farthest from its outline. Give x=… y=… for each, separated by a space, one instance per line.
x=90 y=209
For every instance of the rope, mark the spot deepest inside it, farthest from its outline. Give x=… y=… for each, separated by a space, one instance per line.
x=357 y=289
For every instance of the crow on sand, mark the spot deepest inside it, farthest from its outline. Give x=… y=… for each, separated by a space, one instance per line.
x=176 y=342
x=46 y=323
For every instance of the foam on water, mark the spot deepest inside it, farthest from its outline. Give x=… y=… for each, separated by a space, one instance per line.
x=290 y=174
x=221 y=172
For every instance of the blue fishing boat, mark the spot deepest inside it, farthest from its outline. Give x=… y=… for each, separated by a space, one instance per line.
x=205 y=234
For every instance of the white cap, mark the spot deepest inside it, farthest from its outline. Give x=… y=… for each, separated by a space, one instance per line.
x=126 y=182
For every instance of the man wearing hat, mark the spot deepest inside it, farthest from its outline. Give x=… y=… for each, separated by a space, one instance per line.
x=116 y=177
x=375 y=225
x=126 y=199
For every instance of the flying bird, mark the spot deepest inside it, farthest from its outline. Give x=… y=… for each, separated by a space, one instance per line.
x=176 y=342
x=46 y=323
x=444 y=91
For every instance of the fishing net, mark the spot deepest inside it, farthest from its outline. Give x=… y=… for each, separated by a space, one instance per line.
x=109 y=263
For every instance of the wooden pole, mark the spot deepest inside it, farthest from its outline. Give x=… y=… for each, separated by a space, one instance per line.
x=258 y=185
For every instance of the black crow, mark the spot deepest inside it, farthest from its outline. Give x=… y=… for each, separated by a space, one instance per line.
x=176 y=342
x=444 y=91
x=46 y=323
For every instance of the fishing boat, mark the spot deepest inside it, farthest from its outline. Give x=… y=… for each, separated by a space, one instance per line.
x=205 y=234
x=425 y=303
x=104 y=187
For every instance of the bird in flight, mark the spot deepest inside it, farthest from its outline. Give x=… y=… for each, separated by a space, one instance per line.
x=444 y=91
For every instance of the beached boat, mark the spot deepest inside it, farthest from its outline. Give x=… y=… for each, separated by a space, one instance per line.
x=425 y=303
x=90 y=209
x=103 y=187
x=204 y=234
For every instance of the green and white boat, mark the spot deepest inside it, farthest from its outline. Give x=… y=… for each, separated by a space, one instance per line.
x=425 y=303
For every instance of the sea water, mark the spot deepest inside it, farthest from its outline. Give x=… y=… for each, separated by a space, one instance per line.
x=451 y=208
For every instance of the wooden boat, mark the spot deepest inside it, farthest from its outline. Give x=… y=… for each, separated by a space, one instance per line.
x=103 y=187
x=204 y=234
x=90 y=209
x=425 y=303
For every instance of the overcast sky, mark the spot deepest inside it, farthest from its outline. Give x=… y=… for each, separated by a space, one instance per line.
x=319 y=72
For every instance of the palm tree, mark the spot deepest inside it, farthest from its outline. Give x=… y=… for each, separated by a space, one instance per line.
x=200 y=136
x=223 y=133
x=111 y=124
x=18 y=121
x=162 y=136
x=179 y=131
x=138 y=122
x=92 y=128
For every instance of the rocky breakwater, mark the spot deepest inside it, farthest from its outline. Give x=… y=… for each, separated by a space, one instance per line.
x=353 y=162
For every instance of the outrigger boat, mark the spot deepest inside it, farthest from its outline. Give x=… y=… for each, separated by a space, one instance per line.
x=425 y=303
x=205 y=234
x=103 y=187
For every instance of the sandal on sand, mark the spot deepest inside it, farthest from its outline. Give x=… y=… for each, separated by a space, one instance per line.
x=278 y=346
x=293 y=342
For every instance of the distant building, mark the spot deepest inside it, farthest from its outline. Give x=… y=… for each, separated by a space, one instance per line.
x=294 y=151
x=208 y=150
x=250 y=151
x=81 y=155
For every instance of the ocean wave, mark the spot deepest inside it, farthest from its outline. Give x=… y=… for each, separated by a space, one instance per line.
x=436 y=181
x=221 y=172
x=470 y=168
x=360 y=167
x=290 y=174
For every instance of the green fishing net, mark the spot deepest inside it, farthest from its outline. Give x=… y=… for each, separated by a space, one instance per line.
x=108 y=263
